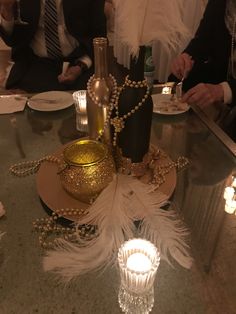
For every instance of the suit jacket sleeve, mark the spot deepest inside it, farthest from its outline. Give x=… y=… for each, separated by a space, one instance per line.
x=209 y=32
x=212 y=42
x=85 y=20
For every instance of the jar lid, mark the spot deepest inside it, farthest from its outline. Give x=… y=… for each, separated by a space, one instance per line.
x=85 y=153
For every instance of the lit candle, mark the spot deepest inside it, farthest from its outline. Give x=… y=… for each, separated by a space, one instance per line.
x=83 y=120
x=139 y=262
x=229 y=193
x=80 y=99
x=166 y=90
x=230 y=206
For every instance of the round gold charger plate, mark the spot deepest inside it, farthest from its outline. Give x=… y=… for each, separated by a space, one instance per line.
x=55 y=197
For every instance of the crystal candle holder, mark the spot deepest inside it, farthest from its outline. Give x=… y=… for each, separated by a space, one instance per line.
x=138 y=262
x=80 y=100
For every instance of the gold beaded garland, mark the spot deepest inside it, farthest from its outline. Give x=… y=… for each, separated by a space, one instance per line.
x=158 y=172
x=135 y=84
x=92 y=94
x=118 y=121
x=26 y=168
x=50 y=230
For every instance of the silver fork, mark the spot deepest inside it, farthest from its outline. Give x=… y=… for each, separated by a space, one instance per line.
x=178 y=88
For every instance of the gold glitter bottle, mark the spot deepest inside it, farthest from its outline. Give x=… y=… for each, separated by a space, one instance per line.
x=101 y=92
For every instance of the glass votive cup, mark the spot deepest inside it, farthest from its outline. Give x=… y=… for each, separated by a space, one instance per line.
x=80 y=101
x=138 y=263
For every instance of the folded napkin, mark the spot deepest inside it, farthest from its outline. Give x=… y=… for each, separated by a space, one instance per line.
x=12 y=103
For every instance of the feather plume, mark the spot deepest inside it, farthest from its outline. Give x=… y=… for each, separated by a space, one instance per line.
x=109 y=213
x=139 y=22
x=1 y=234
x=162 y=227
x=123 y=201
x=2 y=210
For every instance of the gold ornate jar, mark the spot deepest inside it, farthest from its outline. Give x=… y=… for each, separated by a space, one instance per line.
x=87 y=168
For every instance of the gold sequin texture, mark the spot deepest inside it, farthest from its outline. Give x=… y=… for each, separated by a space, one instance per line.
x=88 y=169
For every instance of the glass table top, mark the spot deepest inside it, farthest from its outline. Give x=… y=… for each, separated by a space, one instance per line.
x=208 y=287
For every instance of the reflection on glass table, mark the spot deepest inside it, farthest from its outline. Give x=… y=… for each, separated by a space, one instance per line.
x=198 y=198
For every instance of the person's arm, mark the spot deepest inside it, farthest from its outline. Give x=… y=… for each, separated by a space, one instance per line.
x=7 y=16
x=96 y=28
x=213 y=19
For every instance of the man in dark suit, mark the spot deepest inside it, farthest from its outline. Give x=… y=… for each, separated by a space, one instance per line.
x=34 y=68
x=208 y=62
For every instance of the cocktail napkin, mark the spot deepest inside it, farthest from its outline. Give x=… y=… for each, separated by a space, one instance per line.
x=12 y=103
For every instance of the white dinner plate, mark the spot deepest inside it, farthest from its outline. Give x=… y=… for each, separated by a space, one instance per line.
x=163 y=104
x=50 y=101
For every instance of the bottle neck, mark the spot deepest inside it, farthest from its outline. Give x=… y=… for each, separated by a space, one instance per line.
x=137 y=66
x=100 y=59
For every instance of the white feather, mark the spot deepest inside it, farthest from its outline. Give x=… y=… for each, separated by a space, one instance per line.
x=125 y=200
x=2 y=210
x=140 y=22
x=114 y=225
x=162 y=227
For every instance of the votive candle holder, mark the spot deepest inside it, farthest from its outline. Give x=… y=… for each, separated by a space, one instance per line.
x=138 y=263
x=80 y=100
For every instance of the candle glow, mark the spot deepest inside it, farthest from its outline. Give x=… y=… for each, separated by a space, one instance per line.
x=166 y=90
x=230 y=197
x=139 y=262
x=80 y=99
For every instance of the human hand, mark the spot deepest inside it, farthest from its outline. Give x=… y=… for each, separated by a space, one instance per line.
x=70 y=75
x=182 y=65
x=204 y=95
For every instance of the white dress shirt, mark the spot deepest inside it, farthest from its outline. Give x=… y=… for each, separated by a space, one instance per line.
x=67 y=42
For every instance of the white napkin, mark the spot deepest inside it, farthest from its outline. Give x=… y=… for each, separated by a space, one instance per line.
x=12 y=103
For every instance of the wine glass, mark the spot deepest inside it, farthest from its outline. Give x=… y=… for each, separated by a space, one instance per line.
x=18 y=20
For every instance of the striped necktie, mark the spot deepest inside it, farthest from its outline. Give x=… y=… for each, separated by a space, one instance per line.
x=51 y=30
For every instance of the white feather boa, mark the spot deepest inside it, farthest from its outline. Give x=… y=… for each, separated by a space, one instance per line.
x=125 y=200
x=139 y=22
